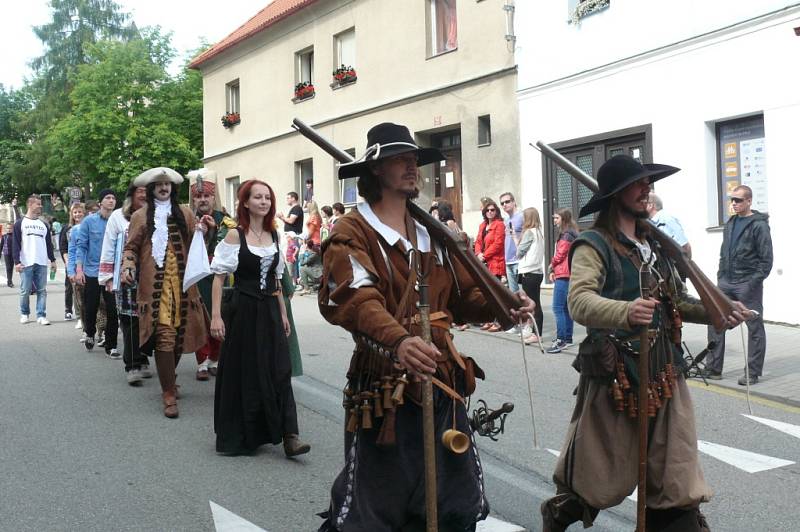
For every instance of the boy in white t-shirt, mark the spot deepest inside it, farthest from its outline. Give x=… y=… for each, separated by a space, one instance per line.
x=33 y=250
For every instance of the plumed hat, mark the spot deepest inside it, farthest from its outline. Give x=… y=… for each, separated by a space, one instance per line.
x=156 y=175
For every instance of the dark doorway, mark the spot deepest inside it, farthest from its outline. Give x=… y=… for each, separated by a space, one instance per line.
x=562 y=191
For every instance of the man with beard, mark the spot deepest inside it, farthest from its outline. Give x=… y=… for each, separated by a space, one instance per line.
x=371 y=260
x=137 y=366
x=204 y=199
x=159 y=235
x=598 y=465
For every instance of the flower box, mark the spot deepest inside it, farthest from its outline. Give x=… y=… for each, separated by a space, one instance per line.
x=303 y=90
x=344 y=75
x=230 y=120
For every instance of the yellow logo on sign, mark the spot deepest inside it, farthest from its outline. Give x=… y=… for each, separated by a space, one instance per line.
x=730 y=150
x=731 y=169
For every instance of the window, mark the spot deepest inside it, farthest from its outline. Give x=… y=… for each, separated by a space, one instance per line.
x=348 y=188
x=484 y=130
x=231 y=193
x=303 y=170
x=305 y=66
x=232 y=97
x=345 y=44
x=443 y=29
x=741 y=160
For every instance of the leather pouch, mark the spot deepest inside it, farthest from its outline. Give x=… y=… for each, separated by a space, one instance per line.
x=597 y=357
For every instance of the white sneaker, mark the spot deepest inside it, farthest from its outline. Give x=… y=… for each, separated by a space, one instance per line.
x=23 y=318
x=527 y=330
x=145 y=371
x=113 y=354
x=134 y=377
x=513 y=330
x=79 y=325
x=83 y=338
x=42 y=321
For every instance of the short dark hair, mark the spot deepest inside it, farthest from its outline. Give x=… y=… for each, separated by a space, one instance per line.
x=338 y=207
x=327 y=210
x=309 y=181
x=293 y=195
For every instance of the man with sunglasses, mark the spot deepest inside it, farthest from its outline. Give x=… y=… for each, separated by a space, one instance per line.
x=745 y=260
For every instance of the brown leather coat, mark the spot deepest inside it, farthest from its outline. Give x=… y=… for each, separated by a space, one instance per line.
x=138 y=254
x=369 y=311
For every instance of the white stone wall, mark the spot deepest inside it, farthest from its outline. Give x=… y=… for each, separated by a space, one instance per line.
x=682 y=91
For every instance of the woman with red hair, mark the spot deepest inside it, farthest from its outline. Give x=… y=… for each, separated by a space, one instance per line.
x=254 y=403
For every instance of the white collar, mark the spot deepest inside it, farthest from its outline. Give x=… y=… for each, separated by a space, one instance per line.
x=390 y=235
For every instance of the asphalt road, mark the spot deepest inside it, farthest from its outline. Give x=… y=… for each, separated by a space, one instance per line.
x=82 y=450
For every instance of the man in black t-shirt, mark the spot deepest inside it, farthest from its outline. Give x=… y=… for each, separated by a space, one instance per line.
x=293 y=222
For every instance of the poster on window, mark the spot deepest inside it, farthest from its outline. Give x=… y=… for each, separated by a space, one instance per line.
x=742 y=161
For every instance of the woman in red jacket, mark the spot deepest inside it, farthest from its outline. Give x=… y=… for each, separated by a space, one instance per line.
x=490 y=247
x=559 y=274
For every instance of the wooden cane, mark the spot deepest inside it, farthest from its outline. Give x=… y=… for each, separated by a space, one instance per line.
x=644 y=422
x=428 y=434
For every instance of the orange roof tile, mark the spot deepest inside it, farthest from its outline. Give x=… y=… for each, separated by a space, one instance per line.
x=276 y=11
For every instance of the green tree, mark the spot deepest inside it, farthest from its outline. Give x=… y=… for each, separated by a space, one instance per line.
x=127 y=116
x=14 y=146
x=76 y=24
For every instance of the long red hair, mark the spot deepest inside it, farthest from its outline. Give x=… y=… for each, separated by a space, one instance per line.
x=243 y=213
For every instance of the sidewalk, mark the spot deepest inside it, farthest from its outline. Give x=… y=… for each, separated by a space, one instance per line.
x=780 y=381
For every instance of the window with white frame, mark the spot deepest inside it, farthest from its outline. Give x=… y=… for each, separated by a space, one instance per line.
x=305 y=66
x=345 y=44
x=231 y=194
x=348 y=188
x=232 y=97
x=442 y=26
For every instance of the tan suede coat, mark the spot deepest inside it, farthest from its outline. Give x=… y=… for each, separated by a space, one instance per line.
x=138 y=254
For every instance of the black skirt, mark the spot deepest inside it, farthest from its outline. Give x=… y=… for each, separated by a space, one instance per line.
x=254 y=403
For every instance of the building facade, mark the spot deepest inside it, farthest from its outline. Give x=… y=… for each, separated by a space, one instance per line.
x=709 y=87
x=444 y=68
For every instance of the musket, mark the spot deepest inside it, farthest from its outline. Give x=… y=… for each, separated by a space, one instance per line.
x=717 y=304
x=499 y=299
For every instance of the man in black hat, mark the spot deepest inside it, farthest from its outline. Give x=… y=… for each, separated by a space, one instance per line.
x=609 y=263
x=87 y=259
x=371 y=264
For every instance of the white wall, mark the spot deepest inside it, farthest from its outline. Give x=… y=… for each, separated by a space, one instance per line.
x=682 y=92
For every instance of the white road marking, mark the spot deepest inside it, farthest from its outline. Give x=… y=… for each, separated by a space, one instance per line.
x=788 y=428
x=227 y=521
x=554 y=452
x=495 y=525
x=744 y=460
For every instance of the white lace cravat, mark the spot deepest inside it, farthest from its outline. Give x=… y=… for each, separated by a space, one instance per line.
x=161 y=233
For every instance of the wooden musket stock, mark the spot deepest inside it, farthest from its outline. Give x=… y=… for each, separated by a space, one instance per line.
x=499 y=298
x=717 y=304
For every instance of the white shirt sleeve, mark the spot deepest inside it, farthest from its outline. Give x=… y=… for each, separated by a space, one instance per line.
x=226 y=258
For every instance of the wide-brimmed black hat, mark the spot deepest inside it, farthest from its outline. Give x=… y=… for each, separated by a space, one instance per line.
x=387 y=140
x=619 y=172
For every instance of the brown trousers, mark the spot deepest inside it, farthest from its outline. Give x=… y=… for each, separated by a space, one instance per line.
x=598 y=461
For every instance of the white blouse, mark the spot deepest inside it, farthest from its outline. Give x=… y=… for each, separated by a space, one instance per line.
x=226 y=258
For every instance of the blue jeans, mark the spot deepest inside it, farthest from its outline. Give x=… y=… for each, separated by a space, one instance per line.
x=35 y=275
x=511 y=275
x=563 y=319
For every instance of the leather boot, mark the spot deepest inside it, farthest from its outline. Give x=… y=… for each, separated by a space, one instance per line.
x=292 y=446
x=165 y=364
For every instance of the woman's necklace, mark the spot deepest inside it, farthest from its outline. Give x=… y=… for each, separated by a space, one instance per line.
x=257 y=234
